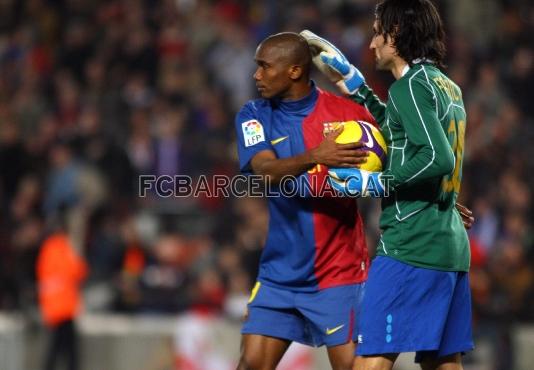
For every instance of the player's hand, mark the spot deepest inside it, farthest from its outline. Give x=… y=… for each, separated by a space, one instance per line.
x=332 y=154
x=332 y=63
x=354 y=182
x=467 y=215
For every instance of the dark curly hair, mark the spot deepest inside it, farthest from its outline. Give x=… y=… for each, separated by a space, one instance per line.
x=415 y=28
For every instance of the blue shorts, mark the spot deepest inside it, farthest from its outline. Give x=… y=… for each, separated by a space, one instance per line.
x=326 y=317
x=412 y=309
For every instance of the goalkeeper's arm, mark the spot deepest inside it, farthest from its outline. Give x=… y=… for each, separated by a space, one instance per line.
x=350 y=81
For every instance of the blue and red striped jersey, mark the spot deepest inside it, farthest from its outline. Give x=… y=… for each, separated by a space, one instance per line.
x=313 y=242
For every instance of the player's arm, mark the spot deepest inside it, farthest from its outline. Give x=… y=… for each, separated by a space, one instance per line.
x=416 y=112
x=366 y=97
x=350 y=81
x=328 y=153
x=267 y=164
x=258 y=156
x=415 y=105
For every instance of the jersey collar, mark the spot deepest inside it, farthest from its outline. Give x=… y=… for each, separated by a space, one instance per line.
x=415 y=62
x=301 y=104
x=422 y=60
x=405 y=70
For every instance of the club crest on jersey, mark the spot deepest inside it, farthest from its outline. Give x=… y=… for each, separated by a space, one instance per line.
x=252 y=132
x=329 y=127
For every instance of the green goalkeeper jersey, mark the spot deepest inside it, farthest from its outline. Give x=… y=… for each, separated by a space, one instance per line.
x=424 y=126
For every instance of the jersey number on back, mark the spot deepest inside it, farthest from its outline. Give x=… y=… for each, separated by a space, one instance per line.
x=456 y=134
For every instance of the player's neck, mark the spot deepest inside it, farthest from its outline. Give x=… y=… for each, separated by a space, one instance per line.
x=398 y=67
x=298 y=91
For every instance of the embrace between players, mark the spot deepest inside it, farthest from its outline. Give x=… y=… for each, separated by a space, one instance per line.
x=315 y=283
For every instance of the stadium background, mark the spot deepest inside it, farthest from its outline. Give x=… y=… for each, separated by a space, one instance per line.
x=95 y=93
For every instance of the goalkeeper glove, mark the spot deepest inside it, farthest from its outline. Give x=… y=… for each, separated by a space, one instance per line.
x=354 y=182
x=332 y=63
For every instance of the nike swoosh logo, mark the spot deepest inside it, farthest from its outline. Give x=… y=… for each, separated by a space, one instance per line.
x=333 y=330
x=370 y=141
x=280 y=139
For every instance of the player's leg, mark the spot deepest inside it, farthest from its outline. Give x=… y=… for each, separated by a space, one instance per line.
x=331 y=314
x=450 y=362
x=341 y=357
x=259 y=352
x=404 y=309
x=270 y=325
x=457 y=334
x=382 y=362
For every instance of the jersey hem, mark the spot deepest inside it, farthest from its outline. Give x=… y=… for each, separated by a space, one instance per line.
x=312 y=288
x=466 y=347
x=425 y=266
x=343 y=283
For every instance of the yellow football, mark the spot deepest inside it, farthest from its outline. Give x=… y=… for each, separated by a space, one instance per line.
x=370 y=136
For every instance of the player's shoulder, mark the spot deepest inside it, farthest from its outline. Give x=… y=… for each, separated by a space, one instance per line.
x=330 y=97
x=253 y=111
x=401 y=89
x=341 y=102
x=416 y=81
x=253 y=107
x=344 y=107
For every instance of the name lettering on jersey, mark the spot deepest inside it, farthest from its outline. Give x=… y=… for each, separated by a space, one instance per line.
x=252 y=132
x=449 y=87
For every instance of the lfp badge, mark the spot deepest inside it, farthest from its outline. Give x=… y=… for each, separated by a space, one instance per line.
x=252 y=132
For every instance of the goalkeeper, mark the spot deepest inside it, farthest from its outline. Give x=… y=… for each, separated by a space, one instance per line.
x=417 y=296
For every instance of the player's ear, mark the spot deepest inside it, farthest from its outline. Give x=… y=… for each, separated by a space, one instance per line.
x=295 y=72
x=390 y=37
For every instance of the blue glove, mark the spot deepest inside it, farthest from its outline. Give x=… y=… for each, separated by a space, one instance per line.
x=332 y=63
x=352 y=77
x=354 y=182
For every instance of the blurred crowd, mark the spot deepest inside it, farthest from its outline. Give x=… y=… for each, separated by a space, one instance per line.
x=95 y=93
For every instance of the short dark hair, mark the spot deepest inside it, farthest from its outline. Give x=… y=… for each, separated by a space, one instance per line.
x=295 y=49
x=415 y=28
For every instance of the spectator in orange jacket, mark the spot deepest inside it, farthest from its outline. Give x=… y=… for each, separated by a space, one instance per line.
x=60 y=272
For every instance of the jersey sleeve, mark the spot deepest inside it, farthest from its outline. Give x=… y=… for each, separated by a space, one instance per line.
x=366 y=97
x=252 y=136
x=415 y=105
